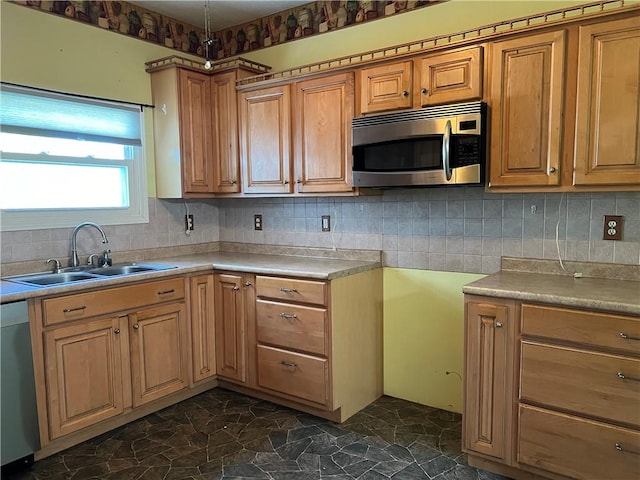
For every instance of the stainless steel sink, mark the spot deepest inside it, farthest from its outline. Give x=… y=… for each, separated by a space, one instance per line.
x=86 y=273
x=121 y=270
x=44 y=279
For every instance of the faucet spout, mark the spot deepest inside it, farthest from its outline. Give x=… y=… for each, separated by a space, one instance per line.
x=74 y=240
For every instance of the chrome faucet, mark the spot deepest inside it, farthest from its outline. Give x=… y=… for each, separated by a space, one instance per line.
x=74 y=247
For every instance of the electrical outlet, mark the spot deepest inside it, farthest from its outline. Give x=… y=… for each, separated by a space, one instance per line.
x=257 y=222
x=188 y=219
x=612 y=227
x=326 y=223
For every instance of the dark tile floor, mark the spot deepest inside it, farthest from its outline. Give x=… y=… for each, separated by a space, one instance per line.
x=223 y=435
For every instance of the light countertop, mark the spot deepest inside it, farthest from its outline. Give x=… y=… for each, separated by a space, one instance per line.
x=622 y=296
x=263 y=264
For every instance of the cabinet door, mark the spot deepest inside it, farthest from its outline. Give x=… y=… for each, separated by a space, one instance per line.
x=265 y=140
x=450 y=77
x=159 y=352
x=322 y=134
x=527 y=98
x=607 y=148
x=489 y=396
x=84 y=375
x=202 y=327
x=385 y=87
x=230 y=319
x=225 y=133
x=195 y=132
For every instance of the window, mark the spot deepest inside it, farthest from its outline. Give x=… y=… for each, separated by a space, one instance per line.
x=67 y=159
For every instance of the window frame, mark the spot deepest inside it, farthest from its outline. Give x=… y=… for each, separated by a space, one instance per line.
x=136 y=213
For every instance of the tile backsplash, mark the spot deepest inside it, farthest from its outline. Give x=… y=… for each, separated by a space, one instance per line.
x=461 y=229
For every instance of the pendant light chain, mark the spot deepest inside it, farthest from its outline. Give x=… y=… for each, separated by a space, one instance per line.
x=208 y=41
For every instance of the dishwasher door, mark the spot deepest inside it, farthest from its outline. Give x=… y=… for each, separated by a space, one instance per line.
x=19 y=433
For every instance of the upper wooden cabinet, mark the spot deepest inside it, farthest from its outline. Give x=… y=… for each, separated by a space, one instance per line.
x=447 y=77
x=607 y=148
x=527 y=104
x=323 y=110
x=265 y=140
x=195 y=132
x=385 y=87
x=296 y=138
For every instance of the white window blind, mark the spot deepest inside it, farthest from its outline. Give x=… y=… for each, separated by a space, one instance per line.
x=67 y=159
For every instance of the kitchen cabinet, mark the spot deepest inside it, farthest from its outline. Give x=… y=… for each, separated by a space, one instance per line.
x=201 y=294
x=489 y=372
x=323 y=110
x=84 y=374
x=265 y=140
x=447 y=77
x=298 y=131
x=233 y=305
x=195 y=132
x=608 y=104
x=313 y=345
x=527 y=110
x=159 y=352
x=102 y=357
x=568 y=384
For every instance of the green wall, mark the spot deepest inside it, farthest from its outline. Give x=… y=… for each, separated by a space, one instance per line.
x=423 y=336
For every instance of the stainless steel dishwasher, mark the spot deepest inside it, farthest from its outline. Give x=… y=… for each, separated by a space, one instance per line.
x=19 y=433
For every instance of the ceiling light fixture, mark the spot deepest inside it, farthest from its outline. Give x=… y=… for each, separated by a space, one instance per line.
x=208 y=41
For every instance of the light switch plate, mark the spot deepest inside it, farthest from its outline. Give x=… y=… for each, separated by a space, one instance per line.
x=326 y=223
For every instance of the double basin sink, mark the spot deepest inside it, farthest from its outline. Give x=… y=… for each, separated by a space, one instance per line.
x=78 y=274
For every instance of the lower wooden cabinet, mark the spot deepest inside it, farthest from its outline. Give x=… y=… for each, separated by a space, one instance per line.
x=84 y=374
x=159 y=352
x=104 y=357
x=203 y=339
x=551 y=392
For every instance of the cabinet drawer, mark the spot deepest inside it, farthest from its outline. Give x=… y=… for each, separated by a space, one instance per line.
x=294 y=374
x=576 y=447
x=100 y=302
x=291 y=289
x=292 y=326
x=590 y=328
x=581 y=381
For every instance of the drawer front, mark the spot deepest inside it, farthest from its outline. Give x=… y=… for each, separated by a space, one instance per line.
x=292 y=326
x=581 y=381
x=100 y=302
x=590 y=328
x=576 y=447
x=293 y=374
x=292 y=290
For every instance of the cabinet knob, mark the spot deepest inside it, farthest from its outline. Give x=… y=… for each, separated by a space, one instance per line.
x=299 y=180
x=552 y=169
x=233 y=182
x=405 y=93
x=498 y=324
x=286 y=182
x=116 y=331
x=247 y=284
x=236 y=288
x=136 y=326
x=424 y=91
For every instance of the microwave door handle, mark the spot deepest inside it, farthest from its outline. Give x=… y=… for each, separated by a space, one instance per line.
x=446 y=141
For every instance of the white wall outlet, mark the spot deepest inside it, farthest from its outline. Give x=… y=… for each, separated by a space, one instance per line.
x=188 y=219
x=612 y=227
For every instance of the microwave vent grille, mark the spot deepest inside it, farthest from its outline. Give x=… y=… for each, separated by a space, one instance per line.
x=441 y=111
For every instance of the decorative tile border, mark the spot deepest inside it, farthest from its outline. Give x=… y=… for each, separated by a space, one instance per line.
x=310 y=19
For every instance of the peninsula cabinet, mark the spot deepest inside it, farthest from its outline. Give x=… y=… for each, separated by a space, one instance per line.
x=105 y=357
x=447 y=77
x=551 y=391
x=312 y=344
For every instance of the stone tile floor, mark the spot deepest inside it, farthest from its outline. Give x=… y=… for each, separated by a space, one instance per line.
x=222 y=435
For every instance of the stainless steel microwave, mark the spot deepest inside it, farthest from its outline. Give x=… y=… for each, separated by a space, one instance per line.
x=443 y=145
